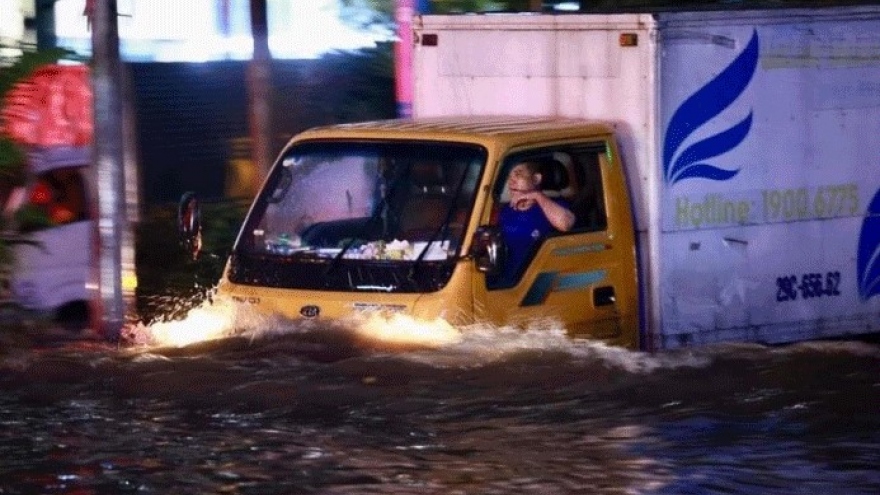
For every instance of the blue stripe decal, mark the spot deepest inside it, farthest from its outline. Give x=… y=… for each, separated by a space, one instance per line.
x=869 y=251
x=544 y=284
x=580 y=280
x=540 y=288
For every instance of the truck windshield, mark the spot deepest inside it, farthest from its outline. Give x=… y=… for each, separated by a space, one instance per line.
x=334 y=208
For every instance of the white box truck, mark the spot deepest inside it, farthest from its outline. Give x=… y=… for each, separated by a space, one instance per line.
x=751 y=141
x=51 y=270
x=722 y=170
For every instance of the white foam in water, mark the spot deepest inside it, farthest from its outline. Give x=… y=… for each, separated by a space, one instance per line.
x=860 y=349
x=402 y=329
x=219 y=319
x=641 y=362
x=224 y=318
x=482 y=344
x=434 y=342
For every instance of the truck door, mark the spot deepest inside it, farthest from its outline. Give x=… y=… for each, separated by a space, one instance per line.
x=584 y=278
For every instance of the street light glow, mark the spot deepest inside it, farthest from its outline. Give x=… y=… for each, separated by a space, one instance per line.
x=174 y=31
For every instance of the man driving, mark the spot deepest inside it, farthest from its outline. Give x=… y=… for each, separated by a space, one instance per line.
x=528 y=217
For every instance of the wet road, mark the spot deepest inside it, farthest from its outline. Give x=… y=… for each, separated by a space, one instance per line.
x=279 y=408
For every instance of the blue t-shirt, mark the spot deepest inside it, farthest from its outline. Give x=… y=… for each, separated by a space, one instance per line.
x=521 y=231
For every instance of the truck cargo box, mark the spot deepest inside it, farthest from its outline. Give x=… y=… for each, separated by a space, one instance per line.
x=749 y=140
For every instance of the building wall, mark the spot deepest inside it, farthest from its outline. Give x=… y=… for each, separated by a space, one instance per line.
x=12 y=14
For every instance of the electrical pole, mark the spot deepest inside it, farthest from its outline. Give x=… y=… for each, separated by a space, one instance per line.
x=403 y=51
x=44 y=16
x=108 y=308
x=260 y=91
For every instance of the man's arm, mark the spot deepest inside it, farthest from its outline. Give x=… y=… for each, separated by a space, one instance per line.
x=560 y=217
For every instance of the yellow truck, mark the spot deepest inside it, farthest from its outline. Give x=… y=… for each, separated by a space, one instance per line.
x=720 y=168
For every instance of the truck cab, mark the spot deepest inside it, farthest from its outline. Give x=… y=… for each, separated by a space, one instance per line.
x=401 y=216
x=52 y=212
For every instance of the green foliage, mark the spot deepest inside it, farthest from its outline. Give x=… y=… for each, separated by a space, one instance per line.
x=369 y=88
x=459 y=6
x=339 y=87
x=367 y=13
x=12 y=161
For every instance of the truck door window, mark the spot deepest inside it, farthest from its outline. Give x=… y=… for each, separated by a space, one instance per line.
x=588 y=203
x=524 y=221
x=572 y=173
x=571 y=176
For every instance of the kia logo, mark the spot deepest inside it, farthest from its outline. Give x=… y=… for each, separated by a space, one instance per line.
x=310 y=311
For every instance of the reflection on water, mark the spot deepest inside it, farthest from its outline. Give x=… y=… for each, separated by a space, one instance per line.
x=260 y=406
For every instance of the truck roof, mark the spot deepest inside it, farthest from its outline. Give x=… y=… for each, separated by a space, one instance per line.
x=486 y=130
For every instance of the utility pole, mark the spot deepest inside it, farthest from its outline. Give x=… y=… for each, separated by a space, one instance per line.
x=44 y=17
x=403 y=51
x=225 y=24
x=108 y=308
x=260 y=91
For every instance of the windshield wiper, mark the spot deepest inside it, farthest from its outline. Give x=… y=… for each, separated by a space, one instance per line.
x=442 y=230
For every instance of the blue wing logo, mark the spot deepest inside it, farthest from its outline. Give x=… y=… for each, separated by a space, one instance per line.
x=708 y=102
x=869 y=251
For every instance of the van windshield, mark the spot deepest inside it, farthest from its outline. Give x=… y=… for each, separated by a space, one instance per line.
x=341 y=204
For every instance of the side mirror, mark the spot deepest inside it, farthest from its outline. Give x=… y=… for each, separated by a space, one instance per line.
x=489 y=250
x=189 y=224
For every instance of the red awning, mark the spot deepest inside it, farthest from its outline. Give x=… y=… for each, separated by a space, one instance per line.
x=52 y=107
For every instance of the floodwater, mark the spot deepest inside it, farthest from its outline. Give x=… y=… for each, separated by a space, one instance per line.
x=272 y=407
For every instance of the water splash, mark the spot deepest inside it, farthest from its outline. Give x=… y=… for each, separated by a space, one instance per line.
x=223 y=318
x=438 y=343
x=212 y=320
x=200 y=325
x=432 y=342
x=404 y=330
x=484 y=344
